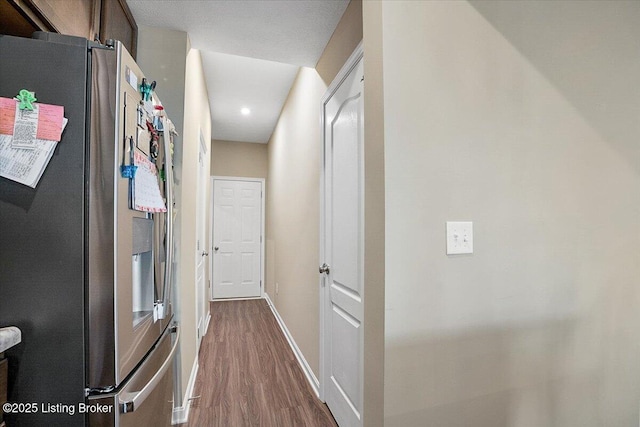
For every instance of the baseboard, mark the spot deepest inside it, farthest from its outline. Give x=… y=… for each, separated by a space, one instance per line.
x=234 y=299
x=206 y=324
x=181 y=414
x=311 y=377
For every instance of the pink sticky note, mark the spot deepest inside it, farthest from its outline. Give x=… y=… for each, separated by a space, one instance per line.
x=7 y=115
x=50 y=122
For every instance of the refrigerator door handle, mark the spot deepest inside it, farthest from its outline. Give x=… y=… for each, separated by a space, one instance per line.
x=129 y=402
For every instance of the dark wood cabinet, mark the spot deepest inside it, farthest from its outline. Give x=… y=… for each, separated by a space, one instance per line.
x=116 y=22
x=72 y=17
x=13 y=22
x=102 y=19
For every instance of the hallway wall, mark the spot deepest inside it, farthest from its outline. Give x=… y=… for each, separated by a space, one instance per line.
x=233 y=158
x=523 y=118
x=293 y=213
x=197 y=118
x=162 y=54
x=293 y=191
x=374 y=216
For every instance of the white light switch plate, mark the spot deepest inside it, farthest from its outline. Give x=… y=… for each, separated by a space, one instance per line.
x=459 y=237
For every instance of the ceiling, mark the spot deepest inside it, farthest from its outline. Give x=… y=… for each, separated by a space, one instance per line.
x=251 y=51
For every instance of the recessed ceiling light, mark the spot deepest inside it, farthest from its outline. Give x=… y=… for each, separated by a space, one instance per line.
x=245 y=111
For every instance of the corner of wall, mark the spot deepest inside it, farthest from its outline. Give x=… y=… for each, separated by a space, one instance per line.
x=374 y=258
x=197 y=117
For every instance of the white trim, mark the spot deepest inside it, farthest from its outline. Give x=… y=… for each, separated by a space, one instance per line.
x=206 y=325
x=201 y=206
x=181 y=414
x=236 y=299
x=321 y=255
x=349 y=65
x=263 y=235
x=311 y=377
x=237 y=178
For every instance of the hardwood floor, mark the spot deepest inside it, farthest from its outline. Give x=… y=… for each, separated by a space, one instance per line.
x=248 y=374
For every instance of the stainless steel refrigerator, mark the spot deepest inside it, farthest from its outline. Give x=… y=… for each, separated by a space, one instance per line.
x=83 y=274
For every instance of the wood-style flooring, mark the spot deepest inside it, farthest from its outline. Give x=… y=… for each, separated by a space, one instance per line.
x=248 y=374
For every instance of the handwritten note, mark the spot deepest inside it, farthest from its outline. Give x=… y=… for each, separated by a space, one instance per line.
x=7 y=115
x=146 y=190
x=50 y=122
x=49 y=119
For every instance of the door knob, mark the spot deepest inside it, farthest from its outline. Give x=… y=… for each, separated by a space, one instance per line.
x=324 y=268
x=216 y=248
x=205 y=253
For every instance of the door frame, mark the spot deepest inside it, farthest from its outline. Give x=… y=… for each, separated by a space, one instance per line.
x=201 y=289
x=262 y=229
x=348 y=66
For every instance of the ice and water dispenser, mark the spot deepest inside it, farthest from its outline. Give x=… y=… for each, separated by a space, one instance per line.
x=144 y=295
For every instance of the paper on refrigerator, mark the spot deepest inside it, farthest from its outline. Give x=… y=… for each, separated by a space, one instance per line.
x=25 y=165
x=146 y=190
x=43 y=122
x=25 y=128
x=28 y=139
x=7 y=115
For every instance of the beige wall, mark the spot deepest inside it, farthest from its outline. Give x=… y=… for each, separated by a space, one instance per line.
x=162 y=55
x=197 y=117
x=520 y=117
x=344 y=40
x=244 y=159
x=293 y=194
x=293 y=213
x=374 y=226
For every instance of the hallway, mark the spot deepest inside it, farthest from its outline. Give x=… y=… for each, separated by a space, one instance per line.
x=248 y=374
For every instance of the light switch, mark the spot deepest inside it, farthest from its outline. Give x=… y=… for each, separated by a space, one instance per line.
x=459 y=237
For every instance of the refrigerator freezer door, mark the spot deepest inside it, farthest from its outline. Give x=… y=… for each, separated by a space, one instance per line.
x=131 y=401
x=151 y=386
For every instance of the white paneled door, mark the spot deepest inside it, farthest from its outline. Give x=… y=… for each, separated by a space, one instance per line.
x=237 y=241
x=342 y=248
